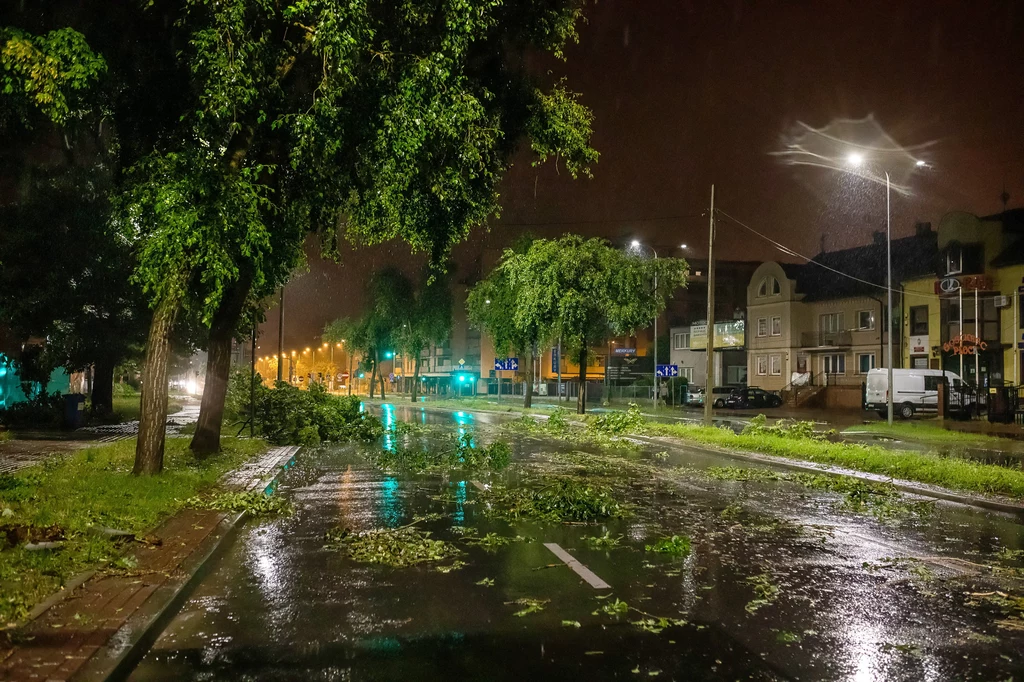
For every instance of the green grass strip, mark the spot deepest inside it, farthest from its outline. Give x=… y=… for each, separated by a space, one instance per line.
x=948 y=472
x=94 y=488
x=932 y=434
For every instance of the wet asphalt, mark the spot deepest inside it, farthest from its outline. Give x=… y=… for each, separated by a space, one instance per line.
x=783 y=582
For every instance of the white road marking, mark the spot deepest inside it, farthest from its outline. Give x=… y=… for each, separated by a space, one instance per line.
x=577 y=568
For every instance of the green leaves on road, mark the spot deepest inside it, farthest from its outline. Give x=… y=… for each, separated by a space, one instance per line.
x=398 y=547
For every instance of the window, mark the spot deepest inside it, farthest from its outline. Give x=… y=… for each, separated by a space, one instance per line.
x=686 y=373
x=681 y=341
x=831 y=322
x=932 y=383
x=865 y=320
x=762 y=365
x=769 y=286
x=954 y=259
x=776 y=325
x=776 y=365
x=834 y=364
x=762 y=326
x=865 y=362
x=919 y=320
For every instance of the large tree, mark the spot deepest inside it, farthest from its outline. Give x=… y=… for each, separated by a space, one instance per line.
x=428 y=321
x=65 y=271
x=367 y=120
x=576 y=289
x=491 y=307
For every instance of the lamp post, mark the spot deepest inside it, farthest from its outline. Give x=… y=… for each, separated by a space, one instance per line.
x=637 y=246
x=856 y=160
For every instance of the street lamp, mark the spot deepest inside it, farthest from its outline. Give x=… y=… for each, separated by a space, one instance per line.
x=856 y=160
x=637 y=246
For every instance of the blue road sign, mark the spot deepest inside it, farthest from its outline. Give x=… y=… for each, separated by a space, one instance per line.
x=668 y=370
x=506 y=365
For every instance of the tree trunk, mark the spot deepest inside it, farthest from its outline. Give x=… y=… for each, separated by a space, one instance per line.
x=380 y=375
x=103 y=386
x=373 y=377
x=149 y=450
x=416 y=379
x=351 y=378
x=581 y=398
x=528 y=389
x=206 y=440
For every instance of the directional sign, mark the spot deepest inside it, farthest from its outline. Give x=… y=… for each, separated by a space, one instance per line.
x=506 y=365
x=668 y=370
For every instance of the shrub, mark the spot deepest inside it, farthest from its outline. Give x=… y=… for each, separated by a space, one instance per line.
x=614 y=423
x=44 y=410
x=287 y=415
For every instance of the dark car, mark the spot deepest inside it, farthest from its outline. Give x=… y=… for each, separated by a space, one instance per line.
x=752 y=398
x=722 y=393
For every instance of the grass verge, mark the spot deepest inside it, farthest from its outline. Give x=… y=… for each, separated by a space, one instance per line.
x=922 y=467
x=928 y=433
x=73 y=497
x=127 y=407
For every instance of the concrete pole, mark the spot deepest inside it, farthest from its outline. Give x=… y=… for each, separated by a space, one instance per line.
x=888 y=251
x=709 y=370
x=960 y=293
x=977 y=333
x=655 y=334
x=1016 y=337
x=280 y=336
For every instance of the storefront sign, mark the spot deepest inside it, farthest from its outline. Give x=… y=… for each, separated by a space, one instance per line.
x=951 y=285
x=727 y=335
x=918 y=344
x=624 y=351
x=964 y=344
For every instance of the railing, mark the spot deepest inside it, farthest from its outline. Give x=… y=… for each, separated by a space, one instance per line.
x=826 y=339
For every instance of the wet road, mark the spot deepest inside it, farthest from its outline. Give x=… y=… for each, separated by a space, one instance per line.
x=782 y=582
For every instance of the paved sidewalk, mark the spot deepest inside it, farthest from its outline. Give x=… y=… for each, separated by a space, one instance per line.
x=87 y=631
x=22 y=452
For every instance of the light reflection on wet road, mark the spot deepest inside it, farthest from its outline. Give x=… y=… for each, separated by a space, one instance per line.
x=279 y=606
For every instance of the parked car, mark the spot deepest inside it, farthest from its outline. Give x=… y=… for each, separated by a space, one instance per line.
x=752 y=398
x=695 y=396
x=722 y=393
x=916 y=390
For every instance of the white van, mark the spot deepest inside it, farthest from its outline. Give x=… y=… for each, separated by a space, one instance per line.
x=917 y=390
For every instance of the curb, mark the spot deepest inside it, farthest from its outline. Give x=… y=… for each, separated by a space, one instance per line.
x=130 y=643
x=802 y=465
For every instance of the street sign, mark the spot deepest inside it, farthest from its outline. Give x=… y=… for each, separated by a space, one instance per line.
x=668 y=370
x=462 y=363
x=506 y=365
x=555 y=360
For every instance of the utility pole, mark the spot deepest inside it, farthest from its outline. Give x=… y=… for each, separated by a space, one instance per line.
x=559 y=368
x=1016 y=335
x=252 y=384
x=655 y=335
x=977 y=334
x=280 y=336
x=888 y=322
x=709 y=370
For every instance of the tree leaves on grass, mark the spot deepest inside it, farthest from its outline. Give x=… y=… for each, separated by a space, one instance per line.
x=398 y=547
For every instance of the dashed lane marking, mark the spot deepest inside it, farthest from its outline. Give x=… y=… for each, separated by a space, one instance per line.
x=577 y=568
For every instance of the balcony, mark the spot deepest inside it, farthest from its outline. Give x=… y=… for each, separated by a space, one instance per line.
x=826 y=339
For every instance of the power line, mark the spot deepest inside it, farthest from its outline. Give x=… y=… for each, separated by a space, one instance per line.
x=791 y=252
x=609 y=221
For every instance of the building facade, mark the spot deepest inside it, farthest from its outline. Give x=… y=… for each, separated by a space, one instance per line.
x=965 y=315
x=824 y=322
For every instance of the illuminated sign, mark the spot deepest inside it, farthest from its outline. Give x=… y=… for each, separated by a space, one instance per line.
x=919 y=344
x=951 y=285
x=964 y=344
x=727 y=335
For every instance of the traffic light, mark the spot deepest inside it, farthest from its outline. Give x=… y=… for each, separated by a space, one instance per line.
x=389 y=354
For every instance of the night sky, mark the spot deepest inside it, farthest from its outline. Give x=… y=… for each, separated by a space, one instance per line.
x=687 y=94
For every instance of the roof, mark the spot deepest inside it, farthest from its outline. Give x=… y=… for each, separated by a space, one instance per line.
x=911 y=257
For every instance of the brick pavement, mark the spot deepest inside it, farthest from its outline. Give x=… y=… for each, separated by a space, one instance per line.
x=85 y=634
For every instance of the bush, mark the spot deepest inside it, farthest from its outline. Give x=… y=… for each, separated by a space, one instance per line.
x=286 y=415
x=615 y=423
x=44 y=410
x=124 y=391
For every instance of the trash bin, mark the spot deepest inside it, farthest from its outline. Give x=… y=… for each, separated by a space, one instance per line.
x=74 y=410
x=1000 y=407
